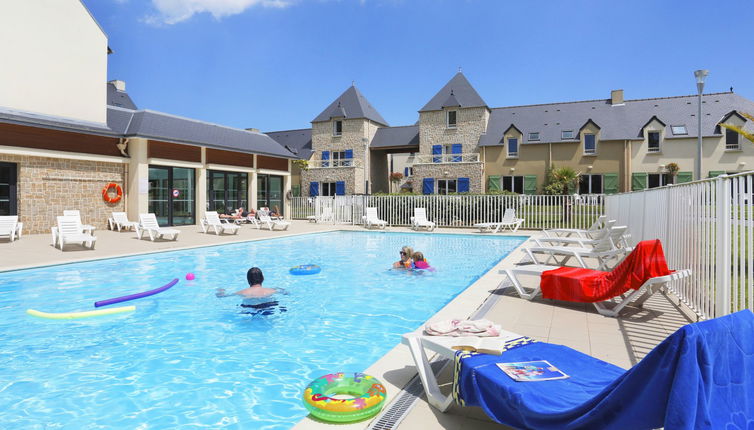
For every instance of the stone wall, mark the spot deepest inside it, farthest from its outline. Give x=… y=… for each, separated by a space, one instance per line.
x=473 y=171
x=48 y=186
x=470 y=124
x=352 y=176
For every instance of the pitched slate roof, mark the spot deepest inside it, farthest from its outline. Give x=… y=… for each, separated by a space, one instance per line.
x=386 y=137
x=464 y=95
x=118 y=98
x=351 y=104
x=299 y=142
x=619 y=122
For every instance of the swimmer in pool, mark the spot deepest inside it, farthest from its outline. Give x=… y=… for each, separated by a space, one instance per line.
x=419 y=261
x=405 y=261
x=255 y=296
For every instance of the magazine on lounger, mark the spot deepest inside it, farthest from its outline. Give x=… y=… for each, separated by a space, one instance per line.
x=529 y=371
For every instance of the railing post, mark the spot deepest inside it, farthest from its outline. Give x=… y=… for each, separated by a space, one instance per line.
x=722 y=248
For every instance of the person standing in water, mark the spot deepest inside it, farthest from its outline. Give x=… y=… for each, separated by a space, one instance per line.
x=255 y=295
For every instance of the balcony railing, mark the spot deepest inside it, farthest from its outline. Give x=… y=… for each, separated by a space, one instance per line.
x=472 y=157
x=329 y=164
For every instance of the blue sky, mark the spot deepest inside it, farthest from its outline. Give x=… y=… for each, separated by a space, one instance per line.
x=275 y=64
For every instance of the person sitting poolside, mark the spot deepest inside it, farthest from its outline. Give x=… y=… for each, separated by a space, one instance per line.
x=237 y=214
x=419 y=261
x=405 y=261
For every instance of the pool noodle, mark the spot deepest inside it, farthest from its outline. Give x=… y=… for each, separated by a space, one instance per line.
x=76 y=315
x=136 y=295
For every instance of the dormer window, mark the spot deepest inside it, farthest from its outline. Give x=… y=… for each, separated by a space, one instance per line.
x=534 y=136
x=731 y=140
x=566 y=134
x=512 y=147
x=679 y=130
x=653 y=141
x=337 y=127
x=452 y=118
x=590 y=144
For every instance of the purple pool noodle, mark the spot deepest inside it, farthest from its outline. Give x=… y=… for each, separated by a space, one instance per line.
x=135 y=296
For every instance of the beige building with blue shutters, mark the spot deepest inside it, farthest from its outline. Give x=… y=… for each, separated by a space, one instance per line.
x=461 y=145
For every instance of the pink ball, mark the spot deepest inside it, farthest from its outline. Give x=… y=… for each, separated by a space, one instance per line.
x=190 y=277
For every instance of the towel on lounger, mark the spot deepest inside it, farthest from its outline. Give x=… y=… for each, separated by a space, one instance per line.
x=458 y=327
x=574 y=284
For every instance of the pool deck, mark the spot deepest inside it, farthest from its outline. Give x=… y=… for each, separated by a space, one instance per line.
x=622 y=341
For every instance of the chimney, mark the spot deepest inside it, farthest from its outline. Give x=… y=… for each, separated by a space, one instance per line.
x=616 y=97
x=119 y=85
x=253 y=130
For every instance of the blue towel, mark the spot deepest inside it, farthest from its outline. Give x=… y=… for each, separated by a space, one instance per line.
x=701 y=377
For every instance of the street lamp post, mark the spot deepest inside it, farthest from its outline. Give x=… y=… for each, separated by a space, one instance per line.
x=700 y=75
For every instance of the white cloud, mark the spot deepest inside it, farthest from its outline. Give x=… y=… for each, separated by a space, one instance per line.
x=175 y=11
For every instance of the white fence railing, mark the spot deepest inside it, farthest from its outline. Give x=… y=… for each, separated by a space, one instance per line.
x=460 y=210
x=706 y=226
x=471 y=157
x=330 y=164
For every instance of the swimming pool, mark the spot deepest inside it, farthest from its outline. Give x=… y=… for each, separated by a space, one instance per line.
x=185 y=357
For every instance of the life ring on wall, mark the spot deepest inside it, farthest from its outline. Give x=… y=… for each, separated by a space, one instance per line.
x=106 y=193
x=289 y=195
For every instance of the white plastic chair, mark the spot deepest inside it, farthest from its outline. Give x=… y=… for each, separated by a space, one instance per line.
x=610 y=247
x=70 y=230
x=120 y=221
x=325 y=215
x=9 y=227
x=148 y=224
x=212 y=220
x=509 y=221
x=87 y=227
x=588 y=233
x=419 y=220
x=272 y=223
x=372 y=219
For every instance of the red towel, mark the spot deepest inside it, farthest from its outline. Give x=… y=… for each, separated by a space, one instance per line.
x=646 y=261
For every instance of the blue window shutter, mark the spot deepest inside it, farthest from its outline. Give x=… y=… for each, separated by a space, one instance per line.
x=405 y=172
x=325 y=157
x=349 y=153
x=428 y=186
x=340 y=188
x=437 y=150
x=456 y=148
x=313 y=189
x=463 y=185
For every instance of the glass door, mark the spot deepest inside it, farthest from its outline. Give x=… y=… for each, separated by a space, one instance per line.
x=227 y=191
x=262 y=191
x=171 y=195
x=8 y=178
x=270 y=192
x=159 y=193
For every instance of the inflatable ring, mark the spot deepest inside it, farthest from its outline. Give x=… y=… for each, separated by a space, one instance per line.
x=368 y=393
x=106 y=193
x=305 y=269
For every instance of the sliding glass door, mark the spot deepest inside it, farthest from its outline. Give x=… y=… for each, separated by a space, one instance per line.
x=270 y=192
x=8 y=178
x=227 y=191
x=171 y=195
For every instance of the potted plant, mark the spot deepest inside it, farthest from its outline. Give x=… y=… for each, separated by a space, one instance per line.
x=395 y=178
x=672 y=169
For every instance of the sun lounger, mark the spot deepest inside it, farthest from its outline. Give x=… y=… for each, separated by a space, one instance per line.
x=588 y=233
x=372 y=219
x=211 y=220
x=633 y=281
x=120 y=221
x=270 y=223
x=509 y=221
x=148 y=224
x=325 y=215
x=609 y=248
x=419 y=220
x=70 y=230
x=9 y=227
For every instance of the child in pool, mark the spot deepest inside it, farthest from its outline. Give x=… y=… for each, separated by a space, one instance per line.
x=419 y=261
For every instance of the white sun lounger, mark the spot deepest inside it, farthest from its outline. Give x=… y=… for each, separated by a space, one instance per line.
x=609 y=308
x=604 y=250
x=325 y=215
x=70 y=230
x=270 y=223
x=148 y=224
x=509 y=221
x=372 y=219
x=212 y=220
x=120 y=221
x=419 y=220
x=588 y=233
x=9 y=227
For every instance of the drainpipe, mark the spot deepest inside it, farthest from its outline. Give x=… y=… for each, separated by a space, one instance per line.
x=627 y=165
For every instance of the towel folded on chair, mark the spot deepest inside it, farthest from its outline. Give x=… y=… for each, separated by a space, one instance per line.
x=700 y=377
x=458 y=327
x=573 y=284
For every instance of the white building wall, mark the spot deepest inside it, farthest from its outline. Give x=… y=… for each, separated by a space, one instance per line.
x=59 y=59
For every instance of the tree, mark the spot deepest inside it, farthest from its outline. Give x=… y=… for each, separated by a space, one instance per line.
x=740 y=130
x=560 y=180
x=301 y=164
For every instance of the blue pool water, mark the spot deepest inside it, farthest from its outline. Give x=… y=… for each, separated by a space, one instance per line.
x=187 y=358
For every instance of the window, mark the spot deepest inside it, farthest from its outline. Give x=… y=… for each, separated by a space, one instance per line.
x=513 y=147
x=337 y=128
x=590 y=144
x=451 y=116
x=340 y=159
x=653 y=141
x=446 y=186
x=514 y=184
x=328 y=189
x=679 y=129
x=590 y=184
x=534 y=135
x=655 y=180
x=731 y=139
x=566 y=134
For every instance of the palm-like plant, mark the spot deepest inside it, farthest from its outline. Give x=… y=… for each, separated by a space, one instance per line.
x=740 y=130
x=560 y=180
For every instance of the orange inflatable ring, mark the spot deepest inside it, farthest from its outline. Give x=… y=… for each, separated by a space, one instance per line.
x=106 y=193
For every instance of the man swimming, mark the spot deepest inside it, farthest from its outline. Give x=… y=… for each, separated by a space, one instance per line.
x=255 y=296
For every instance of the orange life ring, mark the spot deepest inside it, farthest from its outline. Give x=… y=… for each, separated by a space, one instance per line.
x=106 y=194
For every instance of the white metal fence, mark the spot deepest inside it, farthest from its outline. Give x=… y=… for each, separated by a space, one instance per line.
x=706 y=226
x=459 y=210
